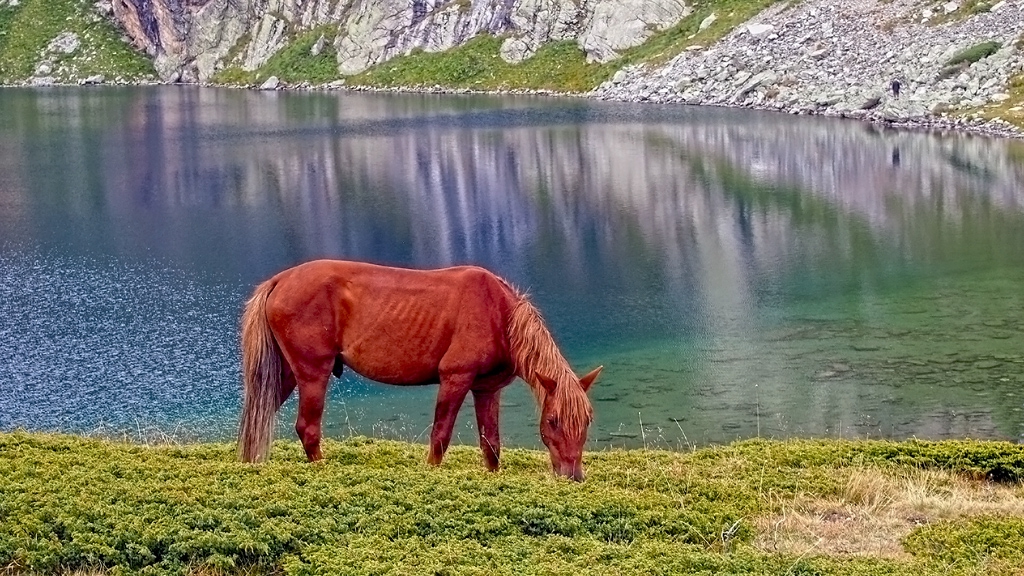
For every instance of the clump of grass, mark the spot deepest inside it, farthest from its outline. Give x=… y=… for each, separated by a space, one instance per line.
x=235 y=76
x=873 y=513
x=29 y=28
x=293 y=64
x=963 y=59
x=965 y=11
x=296 y=63
x=665 y=45
x=477 y=64
x=974 y=53
x=374 y=507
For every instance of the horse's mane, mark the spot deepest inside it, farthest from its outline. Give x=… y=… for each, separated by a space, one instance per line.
x=534 y=353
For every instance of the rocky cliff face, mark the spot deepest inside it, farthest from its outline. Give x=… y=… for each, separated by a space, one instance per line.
x=191 y=39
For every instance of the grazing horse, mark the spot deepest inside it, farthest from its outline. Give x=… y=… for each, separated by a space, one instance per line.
x=463 y=328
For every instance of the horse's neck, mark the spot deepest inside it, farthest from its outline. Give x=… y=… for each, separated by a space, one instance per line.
x=533 y=349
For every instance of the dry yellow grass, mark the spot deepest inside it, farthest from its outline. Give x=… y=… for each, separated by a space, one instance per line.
x=875 y=511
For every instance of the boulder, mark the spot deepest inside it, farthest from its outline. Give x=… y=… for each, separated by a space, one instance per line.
x=64 y=43
x=318 y=46
x=271 y=83
x=515 y=50
x=870 y=101
x=759 y=30
x=765 y=78
x=707 y=22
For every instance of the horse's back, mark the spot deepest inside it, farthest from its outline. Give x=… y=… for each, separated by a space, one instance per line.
x=393 y=325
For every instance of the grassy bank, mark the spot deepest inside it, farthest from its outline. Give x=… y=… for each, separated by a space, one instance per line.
x=373 y=507
x=27 y=29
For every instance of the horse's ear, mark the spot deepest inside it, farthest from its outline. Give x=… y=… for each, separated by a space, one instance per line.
x=547 y=383
x=588 y=380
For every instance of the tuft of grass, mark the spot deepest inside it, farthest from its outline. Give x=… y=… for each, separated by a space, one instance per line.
x=873 y=513
x=974 y=53
x=26 y=30
x=665 y=45
x=966 y=10
x=477 y=64
x=293 y=64
x=964 y=58
x=71 y=504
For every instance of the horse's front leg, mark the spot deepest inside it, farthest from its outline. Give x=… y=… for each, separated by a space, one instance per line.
x=450 y=396
x=486 y=403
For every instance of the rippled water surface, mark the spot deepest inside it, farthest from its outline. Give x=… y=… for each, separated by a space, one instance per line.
x=738 y=273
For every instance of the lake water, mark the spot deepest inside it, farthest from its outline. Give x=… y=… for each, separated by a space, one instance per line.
x=739 y=274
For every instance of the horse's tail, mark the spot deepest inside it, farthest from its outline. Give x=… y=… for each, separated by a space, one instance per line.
x=261 y=377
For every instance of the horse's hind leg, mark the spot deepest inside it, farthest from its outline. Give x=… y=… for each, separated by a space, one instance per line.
x=312 y=394
x=310 y=377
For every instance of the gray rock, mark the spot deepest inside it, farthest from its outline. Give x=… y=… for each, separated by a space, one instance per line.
x=43 y=68
x=318 y=46
x=766 y=78
x=515 y=50
x=64 y=43
x=43 y=81
x=759 y=30
x=870 y=101
x=97 y=79
x=828 y=99
x=707 y=22
x=271 y=83
x=619 y=77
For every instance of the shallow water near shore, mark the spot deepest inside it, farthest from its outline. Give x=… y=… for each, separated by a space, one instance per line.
x=738 y=273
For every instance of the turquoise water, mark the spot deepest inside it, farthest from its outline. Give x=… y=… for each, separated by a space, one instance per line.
x=739 y=274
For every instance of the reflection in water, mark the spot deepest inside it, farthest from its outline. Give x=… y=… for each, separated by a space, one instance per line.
x=738 y=273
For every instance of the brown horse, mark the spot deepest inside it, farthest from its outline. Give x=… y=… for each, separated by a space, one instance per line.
x=461 y=327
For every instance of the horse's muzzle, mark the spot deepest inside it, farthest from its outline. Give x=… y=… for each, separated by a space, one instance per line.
x=573 y=471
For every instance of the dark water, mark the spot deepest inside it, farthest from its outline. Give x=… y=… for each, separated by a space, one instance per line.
x=738 y=274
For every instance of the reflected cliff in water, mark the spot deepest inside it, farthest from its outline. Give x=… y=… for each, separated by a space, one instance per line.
x=738 y=273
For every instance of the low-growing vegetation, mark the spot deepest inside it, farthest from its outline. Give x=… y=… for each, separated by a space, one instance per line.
x=974 y=53
x=294 y=63
x=558 y=66
x=72 y=504
x=964 y=11
x=27 y=29
x=963 y=59
x=477 y=64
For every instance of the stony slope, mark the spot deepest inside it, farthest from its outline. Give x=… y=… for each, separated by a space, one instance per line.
x=839 y=58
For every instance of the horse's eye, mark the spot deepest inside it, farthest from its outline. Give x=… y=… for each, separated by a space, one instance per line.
x=553 y=423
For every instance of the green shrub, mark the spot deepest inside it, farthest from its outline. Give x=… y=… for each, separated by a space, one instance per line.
x=974 y=53
x=971 y=540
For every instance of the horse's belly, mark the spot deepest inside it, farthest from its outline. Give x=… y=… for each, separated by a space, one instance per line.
x=392 y=366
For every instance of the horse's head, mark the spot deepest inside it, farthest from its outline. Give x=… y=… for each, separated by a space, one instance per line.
x=565 y=418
